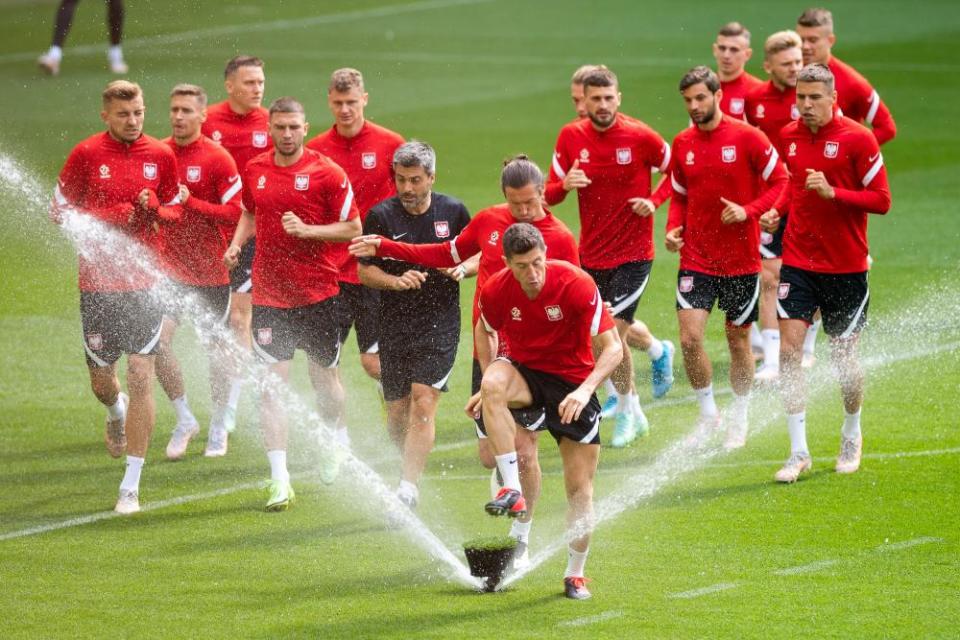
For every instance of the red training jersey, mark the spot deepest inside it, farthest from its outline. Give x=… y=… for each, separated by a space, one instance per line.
x=618 y=161
x=860 y=102
x=550 y=333
x=244 y=136
x=368 y=160
x=192 y=249
x=103 y=177
x=830 y=236
x=770 y=109
x=288 y=271
x=735 y=92
x=734 y=161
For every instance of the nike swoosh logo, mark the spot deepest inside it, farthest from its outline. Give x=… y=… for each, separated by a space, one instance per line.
x=619 y=298
x=874 y=157
x=768 y=151
x=233 y=178
x=400 y=236
x=344 y=183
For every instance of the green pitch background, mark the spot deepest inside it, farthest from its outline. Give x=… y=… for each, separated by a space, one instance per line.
x=718 y=552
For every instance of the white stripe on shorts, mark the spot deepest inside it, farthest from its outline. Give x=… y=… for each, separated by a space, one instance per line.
x=593 y=432
x=856 y=317
x=749 y=308
x=626 y=302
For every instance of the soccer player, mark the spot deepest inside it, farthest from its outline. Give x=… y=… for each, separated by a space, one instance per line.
x=553 y=318
x=365 y=151
x=836 y=177
x=104 y=177
x=771 y=108
x=241 y=125
x=50 y=61
x=191 y=253
x=297 y=202
x=419 y=310
x=607 y=157
x=522 y=184
x=731 y=51
x=725 y=175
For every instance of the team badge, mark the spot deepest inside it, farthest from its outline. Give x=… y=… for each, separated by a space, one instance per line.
x=369 y=160
x=760 y=111
x=729 y=154
x=150 y=170
x=736 y=106
x=515 y=313
x=95 y=341
x=793 y=149
x=262 y=182
x=104 y=172
x=831 y=149
x=441 y=228
x=689 y=157
x=260 y=139
x=624 y=156
x=584 y=155
x=264 y=335
x=494 y=237
x=193 y=174
x=766 y=238
x=686 y=284
x=554 y=313
x=794 y=112
x=217 y=136
x=301 y=182
x=783 y=290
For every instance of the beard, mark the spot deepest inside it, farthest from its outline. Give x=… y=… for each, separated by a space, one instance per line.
x=706 y=117
x=600 y=121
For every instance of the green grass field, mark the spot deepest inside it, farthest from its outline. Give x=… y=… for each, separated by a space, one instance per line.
x=703 y=548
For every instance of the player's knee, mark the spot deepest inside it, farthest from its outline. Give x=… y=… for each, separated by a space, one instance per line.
x=371 y=364
x=580 y=495
x=691 y=342
x=139 y=374
x=422 y=408
x=494 y=387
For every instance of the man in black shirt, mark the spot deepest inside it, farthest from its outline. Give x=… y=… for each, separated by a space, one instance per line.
x=419 y=307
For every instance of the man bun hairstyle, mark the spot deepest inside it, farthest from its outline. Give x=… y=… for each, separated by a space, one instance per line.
x=520 y=238
x=519 y=171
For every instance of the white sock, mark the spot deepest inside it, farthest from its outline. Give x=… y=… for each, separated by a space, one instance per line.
x=756 y=338
x=509 y=470
x=521 y=530
x=278 y=465
x=576 y=560
x=656 y=349
x=609 y=388
x=623 y=403
x=633 y=404
x=708 y=406
x=810 y=340
x=233 y=399
x=184 y=415
x=851 y=425
x=409 y=490
x=55 y=52
x=740 y=407
x=115 y=53
x=797 y=426
x=771 y=348
x=131 y=477
x=118 y=409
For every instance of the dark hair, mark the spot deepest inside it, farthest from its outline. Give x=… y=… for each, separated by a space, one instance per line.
x=520 y=238
x=286 y=104
x=816 y=17
x=734 y=29
x=600 y=76
x=342 y=80
x=518 y=172
x=816 y=72
x=236 y=62
x=700 y=74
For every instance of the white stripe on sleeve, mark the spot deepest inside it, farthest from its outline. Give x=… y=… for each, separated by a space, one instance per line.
x=874 y=105
x=454 y=252
x=486 y=324
x=232 y=191
x=556 y=166
x=666 y=158
x=597 y=313
x=676 y=185
x=345 y=209
x=772 y=164
x=874 y=170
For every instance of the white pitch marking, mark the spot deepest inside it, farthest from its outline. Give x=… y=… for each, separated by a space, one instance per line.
x=805 y=568
x=906 y=544
x=600 y=617
x=705 y=591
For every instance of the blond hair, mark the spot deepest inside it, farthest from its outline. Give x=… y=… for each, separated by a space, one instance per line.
x=121 y=90
x=781 y=41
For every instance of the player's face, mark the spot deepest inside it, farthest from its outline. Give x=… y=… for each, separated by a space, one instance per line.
x=124 y=118
x=347 y=106
x=288 y=131
x=731 y=53
x=817 y=42
x=186 y=116
x=245 y=87
x=815 y=103
x=530 y=269
x=576 y=94
x=701 y=103
x=413 y=186
x=784 y=66
x=526 y=203
x=601 y=104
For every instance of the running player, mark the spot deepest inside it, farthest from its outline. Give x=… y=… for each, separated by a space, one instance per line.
x=771 y=108
x=725 y=174
x=104 y=178
x=607 y=158
x=365 y=151
x=836 y=177
x=553 y=318
x=419 y=310
x=50 y=61
x=731 y=51
x=190 y=251
x=298 y=202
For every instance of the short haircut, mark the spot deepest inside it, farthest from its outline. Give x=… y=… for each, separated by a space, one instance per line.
x=600 y=76
x=734 y=29
x=236 y=62
x=700 y=74
x=520 y=238
x=781 y=41
x=518 y=172
x=190 y=90
x=342 y=80
x=583 y=71
x=816 y=72
x=120 y=90
x=416 y=154
x=286 y=104
x=816 y=17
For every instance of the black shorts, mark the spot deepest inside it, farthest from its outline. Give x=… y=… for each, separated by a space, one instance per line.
x=359 y=306
x=771 y=244
x=428 y=364
x=524 y=417
x=118 y=323
x=843 y=299
x=241 y=276
x=735 y=295
x=277 y=333
x=196 y=302
x=622 y=286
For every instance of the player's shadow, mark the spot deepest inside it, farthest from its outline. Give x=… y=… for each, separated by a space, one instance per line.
x=670 y=499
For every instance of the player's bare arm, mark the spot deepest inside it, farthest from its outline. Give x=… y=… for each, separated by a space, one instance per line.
x=610 y=350
x=466 y=269
x=486 y=343
x=341 y=231
x=364 y=246
x=246 y=229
